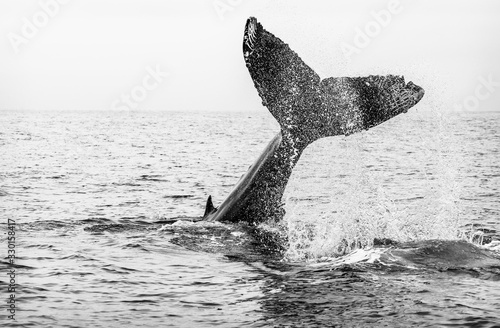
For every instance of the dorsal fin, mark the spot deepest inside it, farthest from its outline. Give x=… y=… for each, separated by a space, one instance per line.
x=209 y=209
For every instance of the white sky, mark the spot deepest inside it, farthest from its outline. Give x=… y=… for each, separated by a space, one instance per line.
x=93 y=51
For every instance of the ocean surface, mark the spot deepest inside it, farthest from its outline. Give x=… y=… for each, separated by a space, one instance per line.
x=398 y=226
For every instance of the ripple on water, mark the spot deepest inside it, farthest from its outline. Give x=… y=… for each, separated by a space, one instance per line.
x=89 y=255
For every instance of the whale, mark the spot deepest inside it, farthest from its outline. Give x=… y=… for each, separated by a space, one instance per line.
x=307 y=108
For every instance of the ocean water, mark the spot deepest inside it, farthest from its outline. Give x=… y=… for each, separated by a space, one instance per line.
x=88 y=196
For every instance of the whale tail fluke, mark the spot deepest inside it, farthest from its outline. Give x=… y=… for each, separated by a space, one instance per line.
x=310 y=108
x=307 y=108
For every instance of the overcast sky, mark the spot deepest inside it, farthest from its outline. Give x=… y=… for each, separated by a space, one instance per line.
x=187 y=54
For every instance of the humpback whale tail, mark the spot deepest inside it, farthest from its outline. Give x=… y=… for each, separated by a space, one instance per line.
x=307 y=108
x=311 y=108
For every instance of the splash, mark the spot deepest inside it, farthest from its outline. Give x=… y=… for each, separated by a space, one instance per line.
x=402 y=185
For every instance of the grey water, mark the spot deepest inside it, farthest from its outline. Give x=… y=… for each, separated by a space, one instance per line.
x=91 y=194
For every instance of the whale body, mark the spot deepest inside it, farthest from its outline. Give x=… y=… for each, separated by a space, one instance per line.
x=307 y=108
